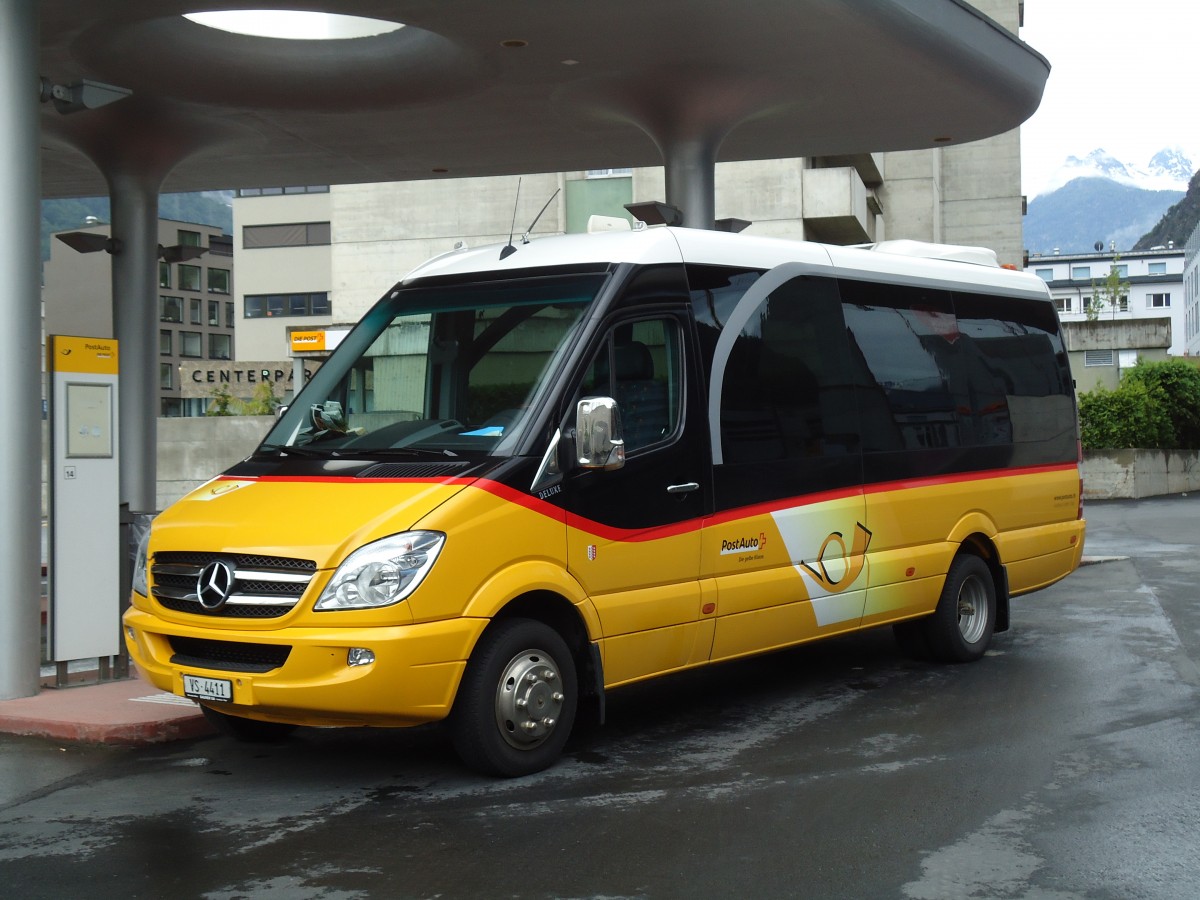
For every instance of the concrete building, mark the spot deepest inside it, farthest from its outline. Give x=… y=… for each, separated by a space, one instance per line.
x=1150 y=307
x=1100 y=350
x=196 y=309
x=1191 y=294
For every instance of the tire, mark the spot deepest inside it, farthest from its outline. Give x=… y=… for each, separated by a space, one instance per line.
x=960 y=629
x=250 y=731
x=517 y=700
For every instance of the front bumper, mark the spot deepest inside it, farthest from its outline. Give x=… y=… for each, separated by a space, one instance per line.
x=413 y=680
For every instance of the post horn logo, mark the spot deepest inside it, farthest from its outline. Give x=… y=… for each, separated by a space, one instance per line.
x=834 y=548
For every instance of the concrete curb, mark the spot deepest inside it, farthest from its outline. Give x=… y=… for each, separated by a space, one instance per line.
x=117 y=712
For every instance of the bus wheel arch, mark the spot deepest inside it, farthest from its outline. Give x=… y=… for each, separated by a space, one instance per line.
x=961 y=626
x=522 y=689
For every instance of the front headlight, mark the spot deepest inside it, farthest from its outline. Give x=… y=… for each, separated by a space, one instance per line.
x=141 y=584
x=382 y=573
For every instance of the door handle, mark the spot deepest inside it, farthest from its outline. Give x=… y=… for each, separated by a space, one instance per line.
x=685 y=488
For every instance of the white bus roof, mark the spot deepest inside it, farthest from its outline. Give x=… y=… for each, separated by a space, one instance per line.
x=902 y=259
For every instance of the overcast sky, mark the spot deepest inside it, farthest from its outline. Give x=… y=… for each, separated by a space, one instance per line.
x=1122 y=77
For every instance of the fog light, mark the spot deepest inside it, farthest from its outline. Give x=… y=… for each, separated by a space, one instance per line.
x=359 y=656
x=129 y=631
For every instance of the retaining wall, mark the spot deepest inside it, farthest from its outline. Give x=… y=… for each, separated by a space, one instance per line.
x=1133 y=474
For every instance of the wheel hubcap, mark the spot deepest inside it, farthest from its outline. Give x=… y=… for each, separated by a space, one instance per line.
x=529 y=699
x=972 y=610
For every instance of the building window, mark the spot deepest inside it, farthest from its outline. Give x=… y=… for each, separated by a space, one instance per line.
x=301 y=234
x=609 y=173
x=220 y=346
x=1063 y=304
x=1097 y=357
x=1081 y=272
x=229 y=314
x=194 y=316
x=1158 y=268
x=166 y=378
x=260 y=306
x=190 y=344
x=1085 y=303
x=171 y=407
x=1158 y=301
x=170 y=309
x=1045 y=274
x=164 y=274
x=218 y=281
x=214 y=312
x=189 y=278
x=276 y=191
x=164 y=343
x=188 y=238
x=1123 y=303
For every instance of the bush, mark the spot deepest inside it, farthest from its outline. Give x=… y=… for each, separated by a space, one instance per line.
x=1178 y=384
x=1156 y=406
x=1130 y=416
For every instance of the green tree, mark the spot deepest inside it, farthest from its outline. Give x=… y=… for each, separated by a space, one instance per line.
x=263 y=402
x=1109 y=292
x=223 y=402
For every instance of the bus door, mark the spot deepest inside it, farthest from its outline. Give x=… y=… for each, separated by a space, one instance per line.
x=788 y=540
x=633 y=537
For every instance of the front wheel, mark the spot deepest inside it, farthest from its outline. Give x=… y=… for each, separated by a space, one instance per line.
x=960 y=629
x=517 y=700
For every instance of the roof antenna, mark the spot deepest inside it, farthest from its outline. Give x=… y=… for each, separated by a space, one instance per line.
x=525 y=236
x=508 y=250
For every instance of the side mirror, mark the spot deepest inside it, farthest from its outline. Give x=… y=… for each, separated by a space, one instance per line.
x=598 y=440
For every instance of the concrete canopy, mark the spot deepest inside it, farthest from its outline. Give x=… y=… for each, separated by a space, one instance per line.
x=476 y=87
x=466 y=88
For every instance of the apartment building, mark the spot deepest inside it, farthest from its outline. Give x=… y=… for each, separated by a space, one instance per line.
x=196 y=307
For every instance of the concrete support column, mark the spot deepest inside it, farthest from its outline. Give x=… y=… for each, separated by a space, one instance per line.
x=20 y=323
x=691 y=179
x=134 y=198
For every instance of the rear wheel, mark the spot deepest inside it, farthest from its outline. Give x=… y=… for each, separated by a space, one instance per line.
x=517 y=700
x=251 y=731
x=960 y=629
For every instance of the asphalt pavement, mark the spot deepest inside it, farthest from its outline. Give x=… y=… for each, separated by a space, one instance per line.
x=1062 y=766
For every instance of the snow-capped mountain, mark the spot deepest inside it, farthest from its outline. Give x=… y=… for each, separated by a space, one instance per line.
x=1168 y=170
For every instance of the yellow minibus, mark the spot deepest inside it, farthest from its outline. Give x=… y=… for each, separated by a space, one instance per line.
x=526 y=478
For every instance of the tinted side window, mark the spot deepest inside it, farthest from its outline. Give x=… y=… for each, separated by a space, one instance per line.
x=911 y=379
x=788 y=424
x=1020 y=379
x=788 y=392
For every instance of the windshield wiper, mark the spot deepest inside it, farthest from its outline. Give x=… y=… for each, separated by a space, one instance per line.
x=287 y=450
x=359 y=452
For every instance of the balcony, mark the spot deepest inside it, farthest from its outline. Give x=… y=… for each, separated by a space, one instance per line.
x=838 y=208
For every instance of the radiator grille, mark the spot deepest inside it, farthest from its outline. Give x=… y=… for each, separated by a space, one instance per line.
x=262 y=587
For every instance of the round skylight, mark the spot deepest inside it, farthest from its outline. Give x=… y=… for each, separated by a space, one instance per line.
x=293 y=24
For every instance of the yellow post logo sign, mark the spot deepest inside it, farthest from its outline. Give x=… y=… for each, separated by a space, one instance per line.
x=307 y=340
x=92 y=356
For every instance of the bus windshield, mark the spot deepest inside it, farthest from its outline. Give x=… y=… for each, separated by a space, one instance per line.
x=453 y=370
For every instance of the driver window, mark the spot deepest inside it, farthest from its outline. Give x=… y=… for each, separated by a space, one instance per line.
x=639 y=367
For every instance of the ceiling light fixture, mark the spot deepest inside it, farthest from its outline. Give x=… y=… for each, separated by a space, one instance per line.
x=293 y=24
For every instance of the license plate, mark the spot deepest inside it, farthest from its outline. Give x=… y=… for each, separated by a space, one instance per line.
x=207 y=688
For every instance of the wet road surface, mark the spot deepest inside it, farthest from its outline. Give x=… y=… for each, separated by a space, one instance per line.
x=1062 y=765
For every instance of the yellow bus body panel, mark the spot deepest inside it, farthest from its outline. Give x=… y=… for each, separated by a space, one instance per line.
x=652 y=602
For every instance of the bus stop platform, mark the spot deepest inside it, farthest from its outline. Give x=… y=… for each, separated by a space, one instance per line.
x=126 y=711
